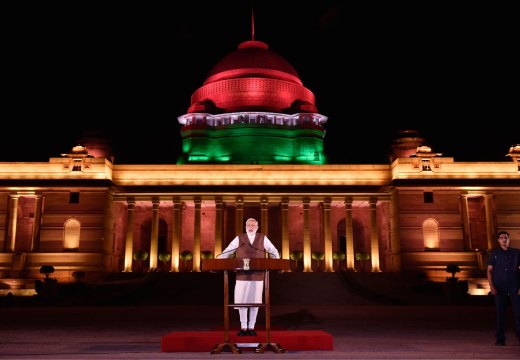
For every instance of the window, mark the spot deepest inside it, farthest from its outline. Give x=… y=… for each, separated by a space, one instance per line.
x=428 y=197
x=74 y=198
x=76 y=165
x=426 y=165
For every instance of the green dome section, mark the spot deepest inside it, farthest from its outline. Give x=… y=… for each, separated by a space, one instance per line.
x=252 y=144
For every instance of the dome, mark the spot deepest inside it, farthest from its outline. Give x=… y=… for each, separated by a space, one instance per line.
x=253 y=58
x=97 y=144
x=252 y=109
x=407 y=143
x=252 y=78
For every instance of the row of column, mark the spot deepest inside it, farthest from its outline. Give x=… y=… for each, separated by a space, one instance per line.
x=264 y=220
x=177 y=230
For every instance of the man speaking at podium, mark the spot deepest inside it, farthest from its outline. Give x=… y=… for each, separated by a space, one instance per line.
x=249 y=285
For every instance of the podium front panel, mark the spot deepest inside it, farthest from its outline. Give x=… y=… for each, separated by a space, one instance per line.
x=238 y=264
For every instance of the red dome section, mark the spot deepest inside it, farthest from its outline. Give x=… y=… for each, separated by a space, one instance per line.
x=253 y=58
x=252 y=78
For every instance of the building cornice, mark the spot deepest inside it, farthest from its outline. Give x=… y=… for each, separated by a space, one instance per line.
x=258 y=175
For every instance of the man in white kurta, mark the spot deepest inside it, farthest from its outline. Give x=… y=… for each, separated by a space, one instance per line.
x=249 y=284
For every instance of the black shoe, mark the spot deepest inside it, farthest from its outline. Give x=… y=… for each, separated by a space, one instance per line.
x=242 y=332
x=251 y=332
x=500 y=343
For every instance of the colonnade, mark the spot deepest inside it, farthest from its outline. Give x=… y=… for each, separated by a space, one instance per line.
x=263 y=203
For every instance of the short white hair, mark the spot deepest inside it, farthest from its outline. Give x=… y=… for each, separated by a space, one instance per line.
x=252 y=219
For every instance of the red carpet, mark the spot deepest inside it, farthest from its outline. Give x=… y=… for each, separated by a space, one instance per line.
x=205 y=341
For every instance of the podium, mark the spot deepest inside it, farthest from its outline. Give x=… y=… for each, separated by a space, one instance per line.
x=259 y=264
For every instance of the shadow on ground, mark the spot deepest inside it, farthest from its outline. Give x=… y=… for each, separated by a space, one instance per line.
x=206 y=288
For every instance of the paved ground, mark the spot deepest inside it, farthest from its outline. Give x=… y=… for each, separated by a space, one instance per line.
x=360 y=331
x=371 y=316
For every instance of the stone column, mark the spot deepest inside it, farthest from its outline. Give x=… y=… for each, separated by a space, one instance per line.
x=395 y=239
x=176 y=233
x=307 y=251
x=286 y=251
x=35 y=238
x=218 y=225
x=112 y=263
x=327 y=236
x=349 y=235
x=154 y=239
x=490 y=221
x=264 y=216
x=196 y=235
x=464 y=213
x=239 y=224
x=10 y=239
x=129 y=239
x=374 y=240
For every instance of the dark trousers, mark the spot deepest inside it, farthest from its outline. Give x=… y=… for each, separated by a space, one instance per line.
x=501 y=300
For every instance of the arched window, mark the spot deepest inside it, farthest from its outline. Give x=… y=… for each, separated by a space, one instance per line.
x=71 y=235
x=431 y=234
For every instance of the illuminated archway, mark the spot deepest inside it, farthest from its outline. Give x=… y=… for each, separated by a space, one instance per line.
x=71 y=234
x=430 y=229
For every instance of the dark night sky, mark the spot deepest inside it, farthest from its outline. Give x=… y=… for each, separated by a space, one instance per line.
x=436 y=67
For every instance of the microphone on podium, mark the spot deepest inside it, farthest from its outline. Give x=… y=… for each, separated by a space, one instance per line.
x=229 y=251
x=271 y=255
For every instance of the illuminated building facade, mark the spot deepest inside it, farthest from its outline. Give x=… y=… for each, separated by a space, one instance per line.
x=253 y=147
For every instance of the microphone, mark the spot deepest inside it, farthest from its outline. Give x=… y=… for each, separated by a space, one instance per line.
x=271 y=255
x=230 y=250
x=263 y=250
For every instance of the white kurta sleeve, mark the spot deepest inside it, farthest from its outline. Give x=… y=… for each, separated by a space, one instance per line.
x=230 y=250
x=270 y=248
